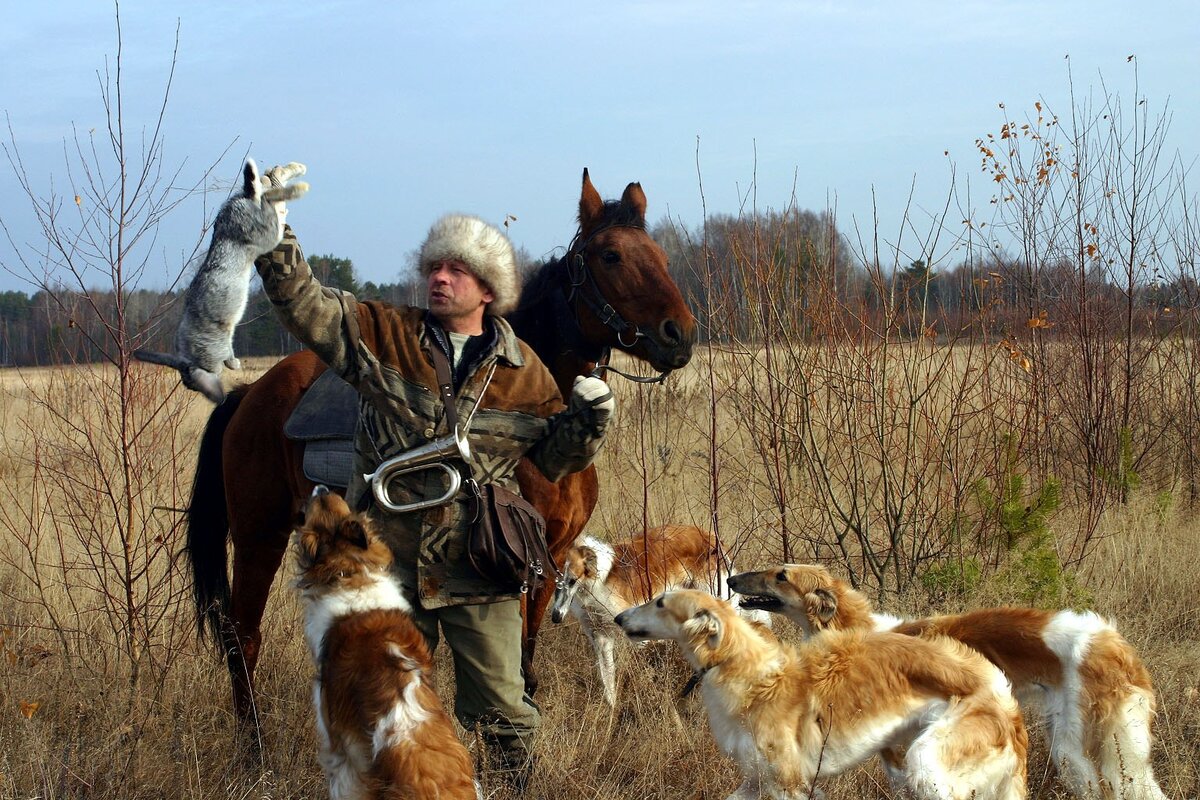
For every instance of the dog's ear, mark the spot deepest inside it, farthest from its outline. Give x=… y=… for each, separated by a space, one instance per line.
x=591 y=564
x=704 y=625
x=308 y=543
x=352 y=530
x=821 y=605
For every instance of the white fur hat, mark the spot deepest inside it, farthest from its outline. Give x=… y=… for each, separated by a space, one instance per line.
x=480 y=246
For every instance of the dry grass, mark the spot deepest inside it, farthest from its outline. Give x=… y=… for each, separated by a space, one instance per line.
x=92 y=735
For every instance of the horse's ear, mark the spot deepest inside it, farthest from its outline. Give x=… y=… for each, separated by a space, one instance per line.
x=352 y=530
x=635 y=199
x=591 y=207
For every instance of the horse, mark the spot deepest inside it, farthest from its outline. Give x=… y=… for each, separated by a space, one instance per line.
x=611 y=289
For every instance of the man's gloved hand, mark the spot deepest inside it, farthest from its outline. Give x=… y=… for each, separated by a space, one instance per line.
x=281 y=261
x=589 y=392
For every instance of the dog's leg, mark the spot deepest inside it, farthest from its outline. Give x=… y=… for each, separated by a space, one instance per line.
x=750 y=789
x=606 y=662
x=892 y=761
x=340 y=774
x=602 y=646
x=1065 y=729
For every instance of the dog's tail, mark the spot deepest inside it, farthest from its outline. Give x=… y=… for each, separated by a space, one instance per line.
x=1121 y=700
x=976 y=746
x=208 y=525
x=1125 y=751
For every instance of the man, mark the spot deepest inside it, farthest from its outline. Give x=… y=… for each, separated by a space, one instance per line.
x=384 y=352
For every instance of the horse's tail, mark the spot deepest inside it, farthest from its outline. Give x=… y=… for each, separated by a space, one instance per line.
x=208 y=524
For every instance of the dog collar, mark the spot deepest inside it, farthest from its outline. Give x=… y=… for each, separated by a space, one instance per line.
x=694 y=681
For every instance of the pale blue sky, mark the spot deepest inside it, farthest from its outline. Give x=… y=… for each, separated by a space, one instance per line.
x=405 y=111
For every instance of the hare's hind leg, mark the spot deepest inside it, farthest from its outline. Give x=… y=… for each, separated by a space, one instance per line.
x=276 y=181
x=281 y=194
x=282 y=173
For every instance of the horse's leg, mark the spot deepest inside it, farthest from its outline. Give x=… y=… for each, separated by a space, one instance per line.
x=254 y=570
x=265 y=489
x=567 y=506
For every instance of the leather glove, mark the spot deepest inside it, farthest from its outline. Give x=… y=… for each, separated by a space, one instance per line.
x=593 y=393
x=281 y=262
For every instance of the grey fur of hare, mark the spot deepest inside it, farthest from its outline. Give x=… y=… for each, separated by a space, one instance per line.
x=247 y=225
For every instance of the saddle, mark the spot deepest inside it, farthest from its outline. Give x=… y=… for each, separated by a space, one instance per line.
x=324 y=421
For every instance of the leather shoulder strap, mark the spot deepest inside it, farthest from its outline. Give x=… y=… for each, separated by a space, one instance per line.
x=441 y=366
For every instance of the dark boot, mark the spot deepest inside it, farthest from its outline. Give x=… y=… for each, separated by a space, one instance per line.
x=511 y=761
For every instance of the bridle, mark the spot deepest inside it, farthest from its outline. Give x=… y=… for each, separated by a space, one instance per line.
x=581 y=285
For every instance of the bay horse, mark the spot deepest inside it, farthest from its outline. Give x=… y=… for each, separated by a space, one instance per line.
x=610 y=289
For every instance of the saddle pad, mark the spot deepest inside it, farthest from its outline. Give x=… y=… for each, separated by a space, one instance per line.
x=324 y=420
x=328 y=410
x=329 y=461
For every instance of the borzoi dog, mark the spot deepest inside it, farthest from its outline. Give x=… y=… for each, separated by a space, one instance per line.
x=793 y=715
x=600 y=580
x=382 y=730
x=1093 y=690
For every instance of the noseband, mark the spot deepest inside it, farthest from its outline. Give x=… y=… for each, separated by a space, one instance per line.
x=582 y=284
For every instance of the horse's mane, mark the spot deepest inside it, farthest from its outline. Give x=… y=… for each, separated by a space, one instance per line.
x=616 y=214
x=613 y=214
x=541 y=283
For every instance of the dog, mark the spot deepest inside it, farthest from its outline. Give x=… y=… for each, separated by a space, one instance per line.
x=247 y=225
x=1086 y=679
x=600 y=580
x=382 y=730
x=790 y=715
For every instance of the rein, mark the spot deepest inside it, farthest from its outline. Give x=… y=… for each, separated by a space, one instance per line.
x=581 y=284
x=603 y=364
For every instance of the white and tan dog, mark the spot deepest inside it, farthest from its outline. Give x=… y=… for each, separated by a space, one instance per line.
x=382 y=729
x=790 y=715
x=600 y=580
x=1085 y=678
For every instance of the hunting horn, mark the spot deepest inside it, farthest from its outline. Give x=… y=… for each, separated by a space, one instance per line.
x=433 y=455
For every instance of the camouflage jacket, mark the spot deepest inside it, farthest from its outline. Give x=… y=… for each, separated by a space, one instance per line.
x=384 y=352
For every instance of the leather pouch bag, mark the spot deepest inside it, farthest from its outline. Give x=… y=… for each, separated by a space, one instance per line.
x=507 y=542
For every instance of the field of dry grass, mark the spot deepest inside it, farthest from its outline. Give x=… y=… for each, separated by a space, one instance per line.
x=99 y=703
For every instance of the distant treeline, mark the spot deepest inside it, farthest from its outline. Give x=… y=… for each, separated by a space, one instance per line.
x=61 y=325
x=796 y=270
x=730 y=268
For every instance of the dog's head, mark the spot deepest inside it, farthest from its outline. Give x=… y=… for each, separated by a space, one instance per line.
x=580 y=565
x=334 y=545
x=699 y=622
x=807 y=594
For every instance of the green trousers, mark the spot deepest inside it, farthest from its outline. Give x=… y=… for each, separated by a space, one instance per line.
x=485 y=641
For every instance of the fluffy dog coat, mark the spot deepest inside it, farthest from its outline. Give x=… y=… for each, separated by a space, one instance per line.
x=247 y=225
x=1094 y=692
x=790 y=716
x=382 y=730
x=600 y=580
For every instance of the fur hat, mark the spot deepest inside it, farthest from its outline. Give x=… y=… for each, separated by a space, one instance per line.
x=483 y=248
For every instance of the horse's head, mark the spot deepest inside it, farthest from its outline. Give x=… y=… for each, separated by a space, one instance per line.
x=622 y=294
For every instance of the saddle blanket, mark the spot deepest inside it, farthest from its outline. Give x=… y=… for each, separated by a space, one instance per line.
x=324 y=420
